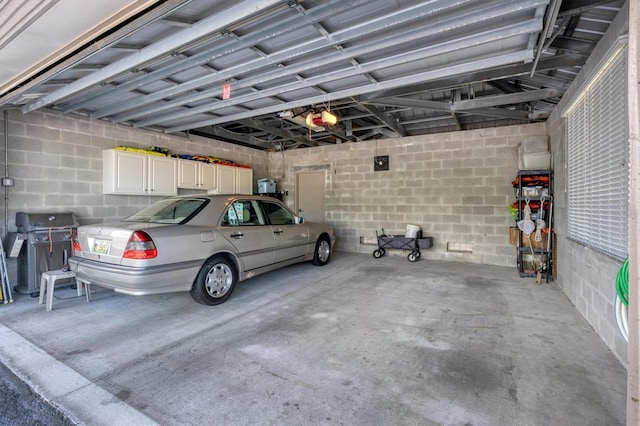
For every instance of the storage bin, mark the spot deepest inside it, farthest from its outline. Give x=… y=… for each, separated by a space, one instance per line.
x=412 y=231
x=266 y=186
x=534 y=144
x=531 y=191
x=536 y=161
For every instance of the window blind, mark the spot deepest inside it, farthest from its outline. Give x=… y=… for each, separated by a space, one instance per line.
x=598 y=162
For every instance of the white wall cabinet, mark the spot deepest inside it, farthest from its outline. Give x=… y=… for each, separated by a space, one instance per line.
x=226 y=180
x=244 y=180
x=130 y=173
x=197 y=175
x=234 y=180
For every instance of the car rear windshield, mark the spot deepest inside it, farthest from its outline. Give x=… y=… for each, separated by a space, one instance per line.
x=169 y=210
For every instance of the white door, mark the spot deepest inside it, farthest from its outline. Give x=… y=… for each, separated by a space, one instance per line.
x=310 y=192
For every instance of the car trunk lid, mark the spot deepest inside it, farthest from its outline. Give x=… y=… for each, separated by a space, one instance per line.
x=108 y=242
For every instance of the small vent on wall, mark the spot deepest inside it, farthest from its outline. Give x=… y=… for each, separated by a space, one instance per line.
x=460 y=247
x=369 y=240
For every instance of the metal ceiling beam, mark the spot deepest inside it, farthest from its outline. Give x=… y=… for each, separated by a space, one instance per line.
x=220 y=132
x=456 y=119
x=479 y=106
x=573 y=44
x=434 y=74
x=225 y=48
x=509 y=99
x=283 y=133
x=498 y=112
x=305 y=48
x=385 y=119
x=204 y=27
x=552 y=15
x=478 y=76
x=504 y=86
x=413 y=103
x=389 y=61
x=578 y=7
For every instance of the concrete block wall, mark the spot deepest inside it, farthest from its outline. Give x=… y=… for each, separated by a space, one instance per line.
x=56 y=162
x=586 y=276
x=455 y=186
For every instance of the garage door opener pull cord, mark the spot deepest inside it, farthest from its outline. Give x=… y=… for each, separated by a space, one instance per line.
x=5 y=292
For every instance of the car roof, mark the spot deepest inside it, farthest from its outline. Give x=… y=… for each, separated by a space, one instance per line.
x=218 y=204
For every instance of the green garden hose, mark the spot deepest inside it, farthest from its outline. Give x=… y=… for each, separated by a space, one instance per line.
x=622 y=282
x=622 y=300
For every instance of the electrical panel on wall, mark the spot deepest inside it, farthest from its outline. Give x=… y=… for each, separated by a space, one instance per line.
x=380 y=162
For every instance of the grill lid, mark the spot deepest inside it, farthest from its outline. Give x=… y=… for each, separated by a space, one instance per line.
x=30 y=222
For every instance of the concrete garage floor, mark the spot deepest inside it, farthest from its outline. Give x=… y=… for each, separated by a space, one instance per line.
x=358 y=342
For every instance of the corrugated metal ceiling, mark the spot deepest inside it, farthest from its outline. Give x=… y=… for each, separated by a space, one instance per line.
x=385 y=68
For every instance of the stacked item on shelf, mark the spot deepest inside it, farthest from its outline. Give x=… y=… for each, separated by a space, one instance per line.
x=533 y=153
x=533 y=214
x=155 y=150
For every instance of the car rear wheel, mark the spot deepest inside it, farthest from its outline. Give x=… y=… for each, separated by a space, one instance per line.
x=323 y=251
x=215 y=281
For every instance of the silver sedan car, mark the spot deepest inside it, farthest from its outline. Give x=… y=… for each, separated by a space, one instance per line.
x=200 y=244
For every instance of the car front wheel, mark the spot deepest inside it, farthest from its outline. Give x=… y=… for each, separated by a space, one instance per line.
x=215 y=281
x=323 y=251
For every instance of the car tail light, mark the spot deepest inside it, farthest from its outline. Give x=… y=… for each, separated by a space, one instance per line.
x=140 y=246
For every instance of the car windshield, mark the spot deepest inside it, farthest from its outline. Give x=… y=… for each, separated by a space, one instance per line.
x=170 y=210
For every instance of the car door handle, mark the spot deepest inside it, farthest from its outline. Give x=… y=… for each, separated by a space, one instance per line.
x=278 y=231
x=237 y=235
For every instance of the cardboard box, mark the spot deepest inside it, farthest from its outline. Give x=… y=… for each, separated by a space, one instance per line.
x=536 y=244
x=513 y=236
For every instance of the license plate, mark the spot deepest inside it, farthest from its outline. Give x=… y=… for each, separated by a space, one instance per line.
x=101 y=246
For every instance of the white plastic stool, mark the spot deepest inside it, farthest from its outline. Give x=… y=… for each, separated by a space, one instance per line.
x=48 y=283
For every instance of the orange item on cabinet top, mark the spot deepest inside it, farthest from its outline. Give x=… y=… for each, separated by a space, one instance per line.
x=533 y=180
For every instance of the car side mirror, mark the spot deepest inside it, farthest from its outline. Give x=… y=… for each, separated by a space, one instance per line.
x=298 y=220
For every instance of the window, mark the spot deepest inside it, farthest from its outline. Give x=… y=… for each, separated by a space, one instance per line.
x=242 y=213
x=598 y=161
x=277 y=214
x=169 y=210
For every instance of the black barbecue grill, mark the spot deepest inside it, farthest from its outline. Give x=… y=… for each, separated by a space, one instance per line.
x=47 y=242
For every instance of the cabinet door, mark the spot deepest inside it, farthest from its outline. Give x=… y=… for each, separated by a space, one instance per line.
x=226 y=180
x=188 y=174
x=124 y=173
x=162 y=176
x=244 y=181
x=208 y=176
